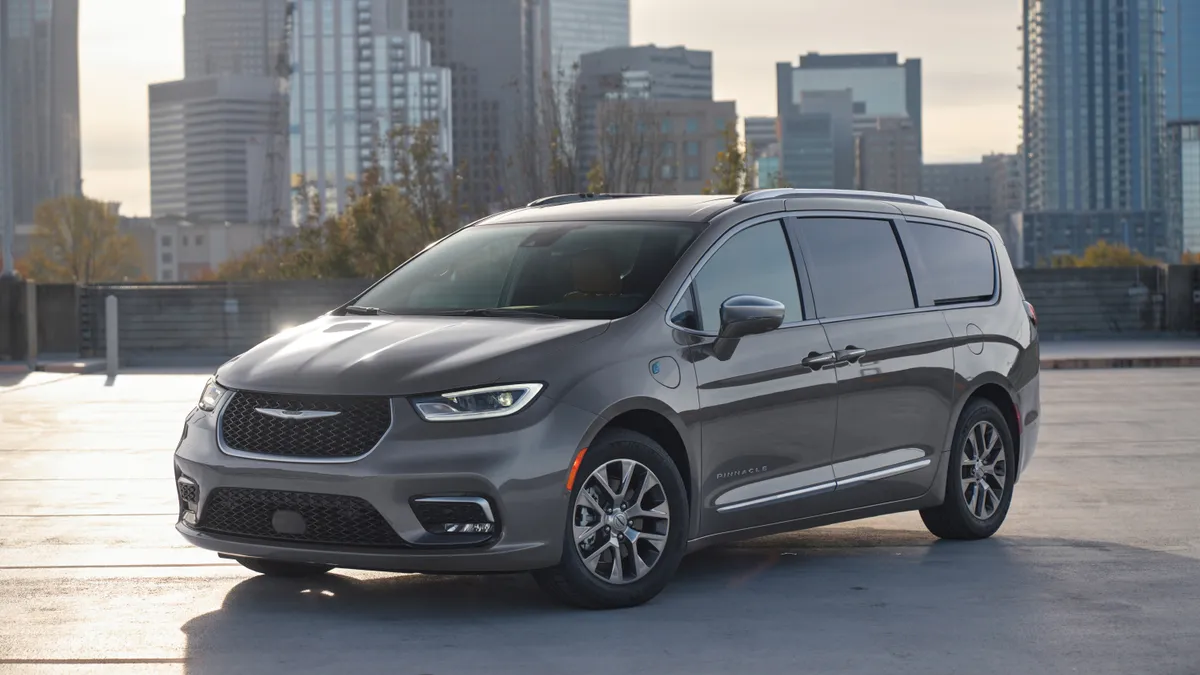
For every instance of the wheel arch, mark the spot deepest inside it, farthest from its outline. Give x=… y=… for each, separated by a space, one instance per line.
x=999 y=393
x=660 y=422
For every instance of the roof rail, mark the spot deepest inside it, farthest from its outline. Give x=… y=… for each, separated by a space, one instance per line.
x=781 y=193
x=579 y=197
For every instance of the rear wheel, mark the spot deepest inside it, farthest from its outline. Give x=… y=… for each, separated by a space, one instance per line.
x=281 y=568
x=627 y=525
x=979 y=481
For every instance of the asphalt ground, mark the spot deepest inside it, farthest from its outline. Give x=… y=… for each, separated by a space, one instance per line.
x=1096 y=571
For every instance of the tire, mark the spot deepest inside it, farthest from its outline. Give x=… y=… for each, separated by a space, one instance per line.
x=962 y=515
x=283 y=569
x=572 y=581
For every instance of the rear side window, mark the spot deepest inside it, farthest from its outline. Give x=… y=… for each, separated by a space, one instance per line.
x=951 y=265
x=755 y=261
x=855 y=266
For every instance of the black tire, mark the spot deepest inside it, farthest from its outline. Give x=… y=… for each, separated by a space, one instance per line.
x=954 y=518
x=571 y=581
x=284 y=569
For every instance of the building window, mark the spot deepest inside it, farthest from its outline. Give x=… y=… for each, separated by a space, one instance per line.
x=665 y=126
x=167 y=258
x=691 y=148
x=199 y=241
x=167 y=241
x=183 y=240
x=668 y=171
x=693 y=125
x=668 y=149
x=167 y=275
x=692 y=172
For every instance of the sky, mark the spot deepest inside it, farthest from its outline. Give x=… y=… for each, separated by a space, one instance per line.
x=970 y=53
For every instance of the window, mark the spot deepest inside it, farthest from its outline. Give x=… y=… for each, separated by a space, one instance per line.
x=574 y=270
x=199 y=240
x=167 y=241
x=665 y=126
x=183 y=240
x=691 y=148
x=951 y=265
x=755 y=261
x=692 y=172
x=692 y=125
x=855 y=266
x=167 y=275
x=668 y=149
x=667 y=172
x=167 y=258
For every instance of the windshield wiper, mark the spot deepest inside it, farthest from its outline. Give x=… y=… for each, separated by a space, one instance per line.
x=367 y=311
x=499 y=311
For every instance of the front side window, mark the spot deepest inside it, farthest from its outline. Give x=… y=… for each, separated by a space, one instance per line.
x=755 y=261
x=855 y=266
x=585 y=270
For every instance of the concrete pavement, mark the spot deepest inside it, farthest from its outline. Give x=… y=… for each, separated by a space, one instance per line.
x=1096 y=571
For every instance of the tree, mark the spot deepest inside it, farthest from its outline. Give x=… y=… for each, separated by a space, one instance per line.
x=1104 y=254
x=1191 y=258
x=733 y=172
x=76 y=240
x=406 y=199
x=631 y=144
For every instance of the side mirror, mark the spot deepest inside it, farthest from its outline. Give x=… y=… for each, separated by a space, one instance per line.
x=744 y=315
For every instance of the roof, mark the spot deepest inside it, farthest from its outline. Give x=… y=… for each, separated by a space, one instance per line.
x=666 y=208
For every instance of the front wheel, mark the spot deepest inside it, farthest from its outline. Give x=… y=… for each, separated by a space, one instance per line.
x=979 y=480
x=627 y=525
x=280 y=568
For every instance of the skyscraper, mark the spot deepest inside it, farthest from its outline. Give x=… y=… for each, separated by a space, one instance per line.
x=39 y=56
x=884 y=94
x=577 y=27
x=1181 y=44
x=1093 y=105
x=359 y=74
x=238 y=37
x=494 y=51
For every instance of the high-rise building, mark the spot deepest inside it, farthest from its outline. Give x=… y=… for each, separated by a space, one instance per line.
x=665 y=146
x=232 y=37
x=208 y=149
x=39 y=120
x=885 y=104
x=816 y=136
x=760 y=135
x=576 y=27
x=1181 y=45
x=1093 y=104
x=494 y=50
x=888 y=156
x=991 y=190
x=358 y=75
x=645 y=72
x=1183 y=182
x=1094 y=116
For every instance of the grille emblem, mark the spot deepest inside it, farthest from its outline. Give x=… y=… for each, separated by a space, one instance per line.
x=296 y=414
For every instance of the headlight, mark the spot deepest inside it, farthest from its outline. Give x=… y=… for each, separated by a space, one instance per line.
x=475 y=404
x=211 y=396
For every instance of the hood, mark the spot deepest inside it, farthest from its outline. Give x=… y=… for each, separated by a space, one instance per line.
x=401 y=355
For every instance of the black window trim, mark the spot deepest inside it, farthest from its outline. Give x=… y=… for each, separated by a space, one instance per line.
x=900 y=225
x=953 y=303
x=779 y=217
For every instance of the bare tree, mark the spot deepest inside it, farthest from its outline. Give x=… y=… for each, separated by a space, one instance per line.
x=631 y=146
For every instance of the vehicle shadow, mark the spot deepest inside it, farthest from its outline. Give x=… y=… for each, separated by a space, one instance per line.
x=842 y=600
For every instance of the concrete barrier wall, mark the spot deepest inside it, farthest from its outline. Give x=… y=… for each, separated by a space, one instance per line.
x=58 y=318
x=161 y=322
x=1098 y=301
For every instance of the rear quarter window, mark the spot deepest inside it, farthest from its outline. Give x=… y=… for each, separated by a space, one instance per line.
x=951 y=265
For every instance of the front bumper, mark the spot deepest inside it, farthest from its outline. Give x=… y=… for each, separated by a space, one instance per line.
x=519 y=464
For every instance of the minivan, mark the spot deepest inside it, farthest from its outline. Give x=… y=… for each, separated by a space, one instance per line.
x=592 y=386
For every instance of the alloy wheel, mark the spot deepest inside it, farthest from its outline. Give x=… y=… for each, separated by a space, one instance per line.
x=984 y=470
x=620 y=521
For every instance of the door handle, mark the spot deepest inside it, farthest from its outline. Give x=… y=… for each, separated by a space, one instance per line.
x=817 y=361
x=850 y=354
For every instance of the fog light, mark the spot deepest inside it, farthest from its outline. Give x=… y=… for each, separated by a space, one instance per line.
x=467 y=528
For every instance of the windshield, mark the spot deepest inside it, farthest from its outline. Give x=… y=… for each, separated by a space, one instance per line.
x=570 y=270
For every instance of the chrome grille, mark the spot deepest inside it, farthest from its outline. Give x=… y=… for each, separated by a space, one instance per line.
x=358 y=425
x=328 y=519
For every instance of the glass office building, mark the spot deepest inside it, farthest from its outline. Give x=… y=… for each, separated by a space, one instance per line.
x=358 y=74
x=1181 y=46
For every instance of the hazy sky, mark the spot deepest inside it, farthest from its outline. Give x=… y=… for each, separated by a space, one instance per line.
x=969 y=49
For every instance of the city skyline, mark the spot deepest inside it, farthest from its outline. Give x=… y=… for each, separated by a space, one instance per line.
x=970 y=72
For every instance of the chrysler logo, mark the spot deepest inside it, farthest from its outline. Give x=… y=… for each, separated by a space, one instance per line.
x=296 y=414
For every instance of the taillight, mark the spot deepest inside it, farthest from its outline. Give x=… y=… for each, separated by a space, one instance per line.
x=1030 y=311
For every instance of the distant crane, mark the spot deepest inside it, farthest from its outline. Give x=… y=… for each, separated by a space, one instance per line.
x=273 y=200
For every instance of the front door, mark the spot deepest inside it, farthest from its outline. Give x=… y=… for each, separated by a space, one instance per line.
x=767 y=419
x=895 y=367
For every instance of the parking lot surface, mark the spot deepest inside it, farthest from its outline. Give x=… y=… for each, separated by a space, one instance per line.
x=1096 y=571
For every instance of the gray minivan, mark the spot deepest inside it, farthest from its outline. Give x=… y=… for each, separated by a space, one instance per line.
x=594 y=385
